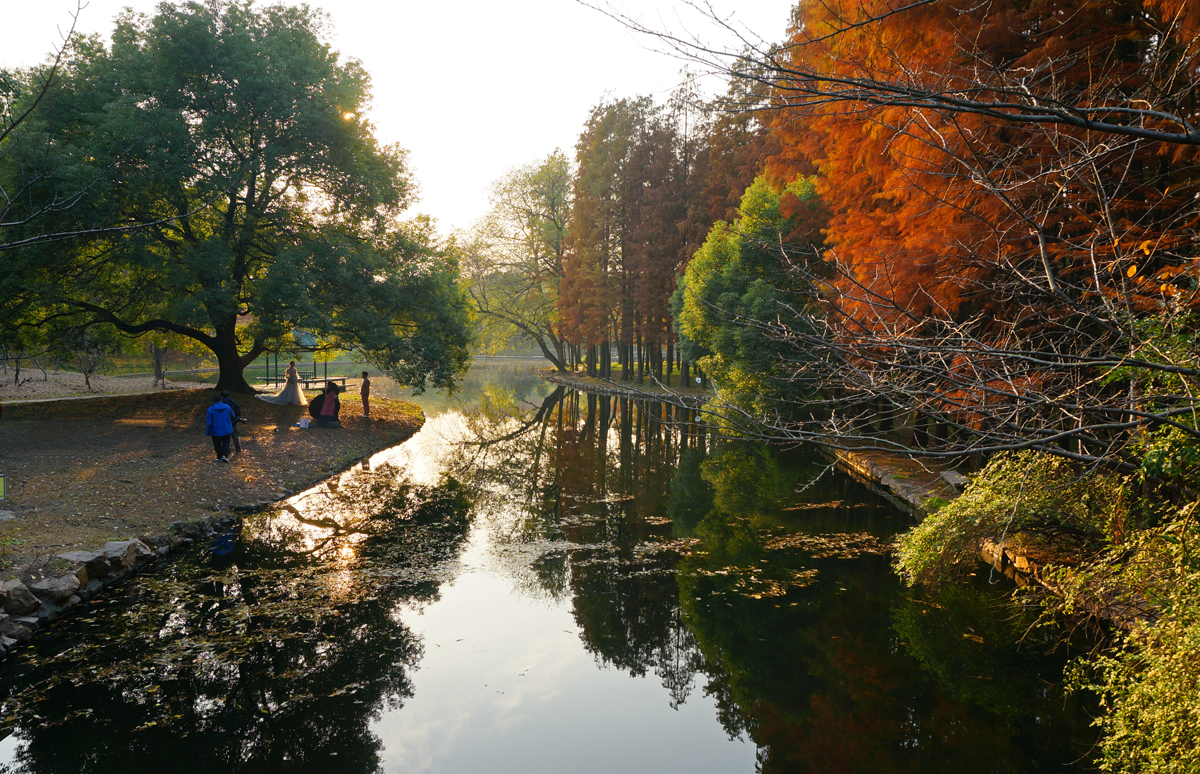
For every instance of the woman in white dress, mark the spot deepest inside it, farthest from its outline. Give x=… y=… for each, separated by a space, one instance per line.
x=291 y=392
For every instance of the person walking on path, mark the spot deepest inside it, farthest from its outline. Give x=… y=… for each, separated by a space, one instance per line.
x=237 y=419
x=365 y=392
x=219 y=424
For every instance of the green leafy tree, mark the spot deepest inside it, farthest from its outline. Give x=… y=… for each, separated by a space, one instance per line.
x=737 y=287
x=258 y=199
x=515 y=258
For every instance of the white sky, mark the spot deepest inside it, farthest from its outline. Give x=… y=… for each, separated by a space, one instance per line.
x=471 y=88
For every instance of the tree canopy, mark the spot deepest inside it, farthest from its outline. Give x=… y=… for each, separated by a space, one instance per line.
x=234 y=194
x=515 y=256
x=737 y=284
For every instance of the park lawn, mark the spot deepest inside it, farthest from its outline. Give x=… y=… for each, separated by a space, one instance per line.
x=84 y=472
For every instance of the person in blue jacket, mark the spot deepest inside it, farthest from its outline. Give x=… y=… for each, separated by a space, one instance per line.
x=219 y=424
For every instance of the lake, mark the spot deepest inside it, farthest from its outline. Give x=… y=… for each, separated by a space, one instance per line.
x=548 y=581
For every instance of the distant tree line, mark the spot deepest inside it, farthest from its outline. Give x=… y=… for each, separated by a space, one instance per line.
x=587 y=254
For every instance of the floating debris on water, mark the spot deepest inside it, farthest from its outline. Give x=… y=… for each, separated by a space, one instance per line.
x=835 y=545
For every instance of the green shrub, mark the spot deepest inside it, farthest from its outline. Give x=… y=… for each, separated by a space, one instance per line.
x=1171 y=455
x=1150 y=683
x=1018 y=496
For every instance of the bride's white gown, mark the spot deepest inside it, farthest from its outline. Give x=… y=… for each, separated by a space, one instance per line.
x=291 y=392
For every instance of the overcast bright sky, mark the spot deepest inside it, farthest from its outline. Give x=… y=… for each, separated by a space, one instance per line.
x=471 y=88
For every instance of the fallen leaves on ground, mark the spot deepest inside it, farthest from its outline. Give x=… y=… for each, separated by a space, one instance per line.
x=83 y=472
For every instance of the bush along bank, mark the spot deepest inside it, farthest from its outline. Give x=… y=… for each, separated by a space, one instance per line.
x=1123 y=550
x=30 y=607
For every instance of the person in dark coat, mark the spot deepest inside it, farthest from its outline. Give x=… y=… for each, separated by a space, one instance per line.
x=237 y=419
x=218 y=423
x=328 y=414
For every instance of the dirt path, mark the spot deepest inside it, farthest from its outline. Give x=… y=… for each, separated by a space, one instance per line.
x=83 y=472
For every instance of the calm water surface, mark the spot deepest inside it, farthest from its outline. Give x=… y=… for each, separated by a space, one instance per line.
x=543 y=581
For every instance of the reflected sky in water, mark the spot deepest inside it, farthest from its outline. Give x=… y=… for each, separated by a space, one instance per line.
x=505 y=685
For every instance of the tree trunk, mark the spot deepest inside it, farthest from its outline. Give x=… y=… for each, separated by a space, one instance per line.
x=555 y=359
x=560 y=349
x=641 y=365
x=231 y=363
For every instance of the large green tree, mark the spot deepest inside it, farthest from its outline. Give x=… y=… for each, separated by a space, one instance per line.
x=234 y=194
x=515 y=256
x=740 y=286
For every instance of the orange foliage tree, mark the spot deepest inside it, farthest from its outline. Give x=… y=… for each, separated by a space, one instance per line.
x=1011 y=189
x=644 y=198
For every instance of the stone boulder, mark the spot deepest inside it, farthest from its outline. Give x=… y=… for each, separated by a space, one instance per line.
x=22 y=628
x=95 y=562
x=955 y=479
x=125 y=553
x=156 y=542
x=56 y=591
x=187 y=529
x=21 y=600
x=91 y=589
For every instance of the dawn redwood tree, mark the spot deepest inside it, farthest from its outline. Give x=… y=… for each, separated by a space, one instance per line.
x=594 y=265
x=1012 y=216
x=237 y=134
x=1012 y=220
x=656 y=212
x=737 y=144
x=638 y=213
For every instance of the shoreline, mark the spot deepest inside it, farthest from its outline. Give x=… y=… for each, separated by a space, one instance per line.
x=102 y=488
x=911 y=486
x=620 y=389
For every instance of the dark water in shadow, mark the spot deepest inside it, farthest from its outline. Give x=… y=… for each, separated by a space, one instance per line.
x=542 y=581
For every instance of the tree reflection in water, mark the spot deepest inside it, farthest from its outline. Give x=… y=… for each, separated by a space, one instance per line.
x=709 y=565
x=684 y=556
x=278 y=661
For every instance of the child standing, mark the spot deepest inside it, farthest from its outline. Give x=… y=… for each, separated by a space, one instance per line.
x=365 y=392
